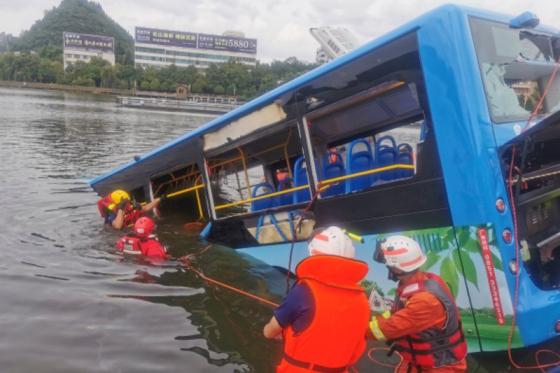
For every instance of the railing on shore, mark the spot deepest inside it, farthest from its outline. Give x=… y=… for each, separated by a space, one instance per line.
x=175 y=105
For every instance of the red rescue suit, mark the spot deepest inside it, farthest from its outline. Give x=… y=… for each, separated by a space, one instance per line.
x=106 y=206
x=148 y=246
x=335 y=339
x=439 y=347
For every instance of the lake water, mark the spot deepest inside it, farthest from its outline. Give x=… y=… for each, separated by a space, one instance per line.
x=69 y=303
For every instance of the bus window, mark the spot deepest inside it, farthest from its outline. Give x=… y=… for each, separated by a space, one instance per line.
x=242 y=176
x=371 y=140
x=515 y=66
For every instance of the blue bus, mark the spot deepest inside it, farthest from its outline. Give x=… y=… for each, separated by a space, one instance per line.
x=422 y=132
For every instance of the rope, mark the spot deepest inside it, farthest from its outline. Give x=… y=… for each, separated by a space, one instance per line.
x=199 y=273
x=380 y=363
x=516 y=241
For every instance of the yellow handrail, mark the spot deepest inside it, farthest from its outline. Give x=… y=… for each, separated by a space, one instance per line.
x=175 y=194
x=323 y=183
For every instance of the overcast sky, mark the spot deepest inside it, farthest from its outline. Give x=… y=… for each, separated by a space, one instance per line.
x=281 y=26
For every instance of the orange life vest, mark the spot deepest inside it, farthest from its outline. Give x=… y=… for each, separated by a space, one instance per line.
x=150 y=246
x=335 y=339
x=106 y=205
x=433 y=347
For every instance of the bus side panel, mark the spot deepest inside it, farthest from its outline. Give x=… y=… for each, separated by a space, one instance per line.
x=485 y=284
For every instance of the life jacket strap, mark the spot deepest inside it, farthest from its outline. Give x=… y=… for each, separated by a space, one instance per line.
x=314 y=367
x=430 y=351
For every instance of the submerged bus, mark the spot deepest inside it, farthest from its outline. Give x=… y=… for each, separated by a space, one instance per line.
x=415 y=132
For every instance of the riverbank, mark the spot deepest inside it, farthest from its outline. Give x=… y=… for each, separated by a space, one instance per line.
x=66 y=87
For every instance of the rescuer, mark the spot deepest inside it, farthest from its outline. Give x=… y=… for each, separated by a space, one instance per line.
x=424 y=324
x=120 y=212
x=324 y=319
x=142 y=241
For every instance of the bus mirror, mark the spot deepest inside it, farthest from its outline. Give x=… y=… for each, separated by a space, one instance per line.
x=524 y=20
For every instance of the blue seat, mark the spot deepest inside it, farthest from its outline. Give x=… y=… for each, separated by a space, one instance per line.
x=386 y=155
x=284 y=199
x=333 y=168
x=405 y=157
x=300 y=178
x=259 y=190
x=356 y=162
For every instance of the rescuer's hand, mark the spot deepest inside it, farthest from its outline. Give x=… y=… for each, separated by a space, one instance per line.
x=123 y=203
x=136 y=205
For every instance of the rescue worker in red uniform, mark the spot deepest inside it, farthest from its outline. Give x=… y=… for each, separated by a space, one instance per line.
x=424 y=324
x=142 y=241
x=118 y=211
x=324 y=318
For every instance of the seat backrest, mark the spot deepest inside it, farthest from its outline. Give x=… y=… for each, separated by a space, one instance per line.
x=333 y=166
x=284 y=199
x=259 y=190
x=300 y=178
x=357 y=161
x=386 y=155
x=405 y=156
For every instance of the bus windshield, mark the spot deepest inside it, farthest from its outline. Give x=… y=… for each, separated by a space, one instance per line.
x=515 y=65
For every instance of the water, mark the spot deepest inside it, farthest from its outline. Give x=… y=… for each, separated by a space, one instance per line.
x=68 y=302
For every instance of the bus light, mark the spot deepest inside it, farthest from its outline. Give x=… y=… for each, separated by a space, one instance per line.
x=507 y=235
x=513 y=267
x=500 y=205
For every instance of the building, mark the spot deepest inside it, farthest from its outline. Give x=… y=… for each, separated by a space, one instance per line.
x=83 y=47
x=334 y=42
x=159 y=48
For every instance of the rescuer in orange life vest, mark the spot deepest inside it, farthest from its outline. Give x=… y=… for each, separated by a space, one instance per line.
x=324 y=319
x=424 y=324
x=120 y=212
x=142 y=241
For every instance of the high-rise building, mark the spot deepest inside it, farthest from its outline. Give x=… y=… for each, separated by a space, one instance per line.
x=334 y=42
x=155 y=47
x=83 y=47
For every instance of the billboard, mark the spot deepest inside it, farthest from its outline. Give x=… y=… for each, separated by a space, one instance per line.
x=227 y=43
x=105 y=44
x=165 y=37
x=194 y=40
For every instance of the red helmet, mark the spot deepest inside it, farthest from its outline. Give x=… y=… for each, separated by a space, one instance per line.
x=144 y=226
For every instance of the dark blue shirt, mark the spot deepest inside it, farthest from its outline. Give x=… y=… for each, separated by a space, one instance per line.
x=297 y=309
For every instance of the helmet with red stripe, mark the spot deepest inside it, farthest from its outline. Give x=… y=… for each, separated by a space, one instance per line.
x=331 y=241
x=402 y=253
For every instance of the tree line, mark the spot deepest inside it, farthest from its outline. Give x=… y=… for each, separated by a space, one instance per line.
x=231 y=78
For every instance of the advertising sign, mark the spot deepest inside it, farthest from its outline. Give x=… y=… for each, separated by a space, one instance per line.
x=165 y=37
x=194 y=40
x=227 y=43
x=99 y=43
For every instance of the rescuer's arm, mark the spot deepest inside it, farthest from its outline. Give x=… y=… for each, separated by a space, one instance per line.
x=149 y=206
x=422 y=311
x=272 y=329
x=118 y=221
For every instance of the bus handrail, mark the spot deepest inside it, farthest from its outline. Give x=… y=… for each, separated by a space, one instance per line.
x=323 y=182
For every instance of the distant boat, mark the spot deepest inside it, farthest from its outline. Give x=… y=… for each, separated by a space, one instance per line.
x=176 y=105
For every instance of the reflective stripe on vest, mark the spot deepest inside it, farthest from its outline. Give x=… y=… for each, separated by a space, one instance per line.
x=335 y=339
x=433 y=347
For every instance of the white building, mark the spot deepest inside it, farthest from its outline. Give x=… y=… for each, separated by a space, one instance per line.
x=334 y=42
x=154 y=47
x=83 y=47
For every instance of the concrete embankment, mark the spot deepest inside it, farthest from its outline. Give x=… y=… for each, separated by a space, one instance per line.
x=65 y=87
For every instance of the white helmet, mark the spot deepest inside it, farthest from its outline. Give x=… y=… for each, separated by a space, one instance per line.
x=403 y=253
x=331 y=241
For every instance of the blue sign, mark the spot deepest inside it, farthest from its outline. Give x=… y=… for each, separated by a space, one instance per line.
x=165 y=37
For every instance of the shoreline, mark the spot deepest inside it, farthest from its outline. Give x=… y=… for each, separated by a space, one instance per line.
x=65 y=87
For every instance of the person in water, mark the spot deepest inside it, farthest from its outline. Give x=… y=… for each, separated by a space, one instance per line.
x=324 y=319
x=142 y=241
x=424 y=323
x=120 y=212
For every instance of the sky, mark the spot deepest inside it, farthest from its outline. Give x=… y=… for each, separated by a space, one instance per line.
x=281 y=26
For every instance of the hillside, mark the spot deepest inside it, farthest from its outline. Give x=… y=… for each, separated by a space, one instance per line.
x=82 y=16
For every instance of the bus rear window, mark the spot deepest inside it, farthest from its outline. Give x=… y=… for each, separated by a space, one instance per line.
x=515 y=66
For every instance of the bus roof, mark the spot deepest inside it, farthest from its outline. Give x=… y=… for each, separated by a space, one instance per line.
x=175 y=153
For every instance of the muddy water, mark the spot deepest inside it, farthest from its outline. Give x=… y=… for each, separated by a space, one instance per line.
x=68 y=303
